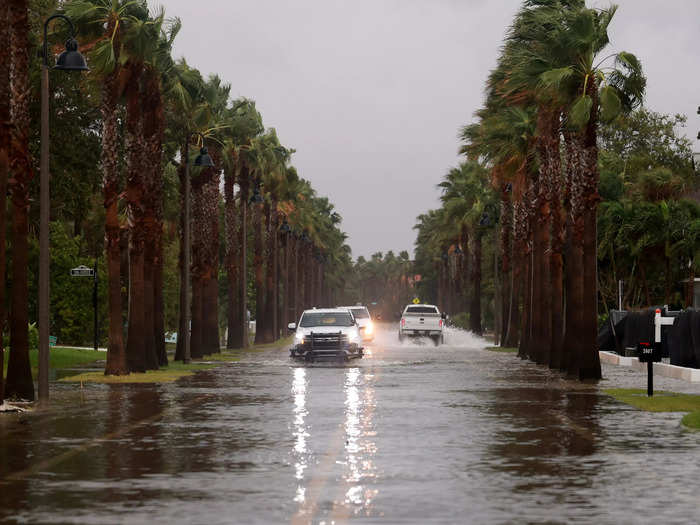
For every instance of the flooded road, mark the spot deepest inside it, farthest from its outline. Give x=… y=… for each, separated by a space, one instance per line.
x=409 y=434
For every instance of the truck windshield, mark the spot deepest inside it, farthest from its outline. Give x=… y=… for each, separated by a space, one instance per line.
x=360 y=313
x=326 y=319
x=421 y=310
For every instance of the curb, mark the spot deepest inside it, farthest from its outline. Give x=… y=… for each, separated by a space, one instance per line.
x=691 y=375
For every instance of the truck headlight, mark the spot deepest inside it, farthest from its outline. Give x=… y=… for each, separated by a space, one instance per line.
x=369 y=328
x=354 y=337
x=299 y=338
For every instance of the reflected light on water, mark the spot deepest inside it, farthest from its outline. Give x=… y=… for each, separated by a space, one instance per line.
x=300 y=433
x=359 y=443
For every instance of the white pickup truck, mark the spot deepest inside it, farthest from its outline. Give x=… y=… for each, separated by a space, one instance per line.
x=422 y=320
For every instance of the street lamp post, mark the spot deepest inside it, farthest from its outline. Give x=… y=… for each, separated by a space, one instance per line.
x=69 y=60
x=202 y=160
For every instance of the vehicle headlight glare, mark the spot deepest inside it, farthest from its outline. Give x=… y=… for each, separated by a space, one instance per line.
x=369 y=329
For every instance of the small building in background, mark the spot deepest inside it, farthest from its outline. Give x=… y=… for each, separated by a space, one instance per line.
x=696 y=292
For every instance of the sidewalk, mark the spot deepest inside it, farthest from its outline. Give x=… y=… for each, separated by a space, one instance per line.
x=663 y=369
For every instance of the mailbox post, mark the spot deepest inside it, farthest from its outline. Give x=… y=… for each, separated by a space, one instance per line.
x=650 y=353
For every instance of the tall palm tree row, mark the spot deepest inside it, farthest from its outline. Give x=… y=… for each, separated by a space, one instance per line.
x=551 y=89
x=149 y=107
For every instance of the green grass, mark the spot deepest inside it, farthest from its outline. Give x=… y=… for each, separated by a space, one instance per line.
x=661 y=401
x=76 y=357
x=62 y=358
x=502 y=349
x=172 y=372
x=692 y=420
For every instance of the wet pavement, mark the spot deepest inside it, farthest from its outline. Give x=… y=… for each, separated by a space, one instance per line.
x=409 y=434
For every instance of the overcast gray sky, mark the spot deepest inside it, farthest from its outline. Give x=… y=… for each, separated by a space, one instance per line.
x=372 y=93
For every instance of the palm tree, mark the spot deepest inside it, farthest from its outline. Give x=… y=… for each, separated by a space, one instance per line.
x=19 y=376
x=593 y=92
x=504 y=137
x=5 y=130
x=205 y=324
x=243 y=122
x=107 y=20
x=465 y=198
x=139 y=38
x=158 y=70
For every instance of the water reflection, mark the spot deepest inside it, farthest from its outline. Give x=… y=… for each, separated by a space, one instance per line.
x=360 y=447
x=299 y=386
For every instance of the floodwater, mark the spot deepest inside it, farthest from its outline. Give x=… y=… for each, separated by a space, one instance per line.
x=409 y=434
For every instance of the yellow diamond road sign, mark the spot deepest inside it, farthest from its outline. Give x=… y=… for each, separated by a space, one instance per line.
x=416 y=300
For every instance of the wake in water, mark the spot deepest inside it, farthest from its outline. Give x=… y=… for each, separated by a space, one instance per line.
x=388 y=335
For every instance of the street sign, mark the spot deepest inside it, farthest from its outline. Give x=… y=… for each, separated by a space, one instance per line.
x=416 y=300
x=82 y=271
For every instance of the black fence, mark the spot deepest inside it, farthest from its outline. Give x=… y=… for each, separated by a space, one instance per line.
x=680 y=341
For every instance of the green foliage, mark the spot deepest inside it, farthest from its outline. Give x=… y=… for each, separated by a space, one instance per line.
x=62 y=358
x=460 y=320
x=72 y=311
x=691 y=420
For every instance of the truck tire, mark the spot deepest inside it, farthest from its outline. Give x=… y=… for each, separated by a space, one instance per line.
x=401 y=337
x=437 y=339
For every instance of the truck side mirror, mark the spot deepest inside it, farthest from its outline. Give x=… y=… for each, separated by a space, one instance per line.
x=292 y=326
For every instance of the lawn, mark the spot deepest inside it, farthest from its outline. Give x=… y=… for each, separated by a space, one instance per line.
x=502 y=349
x=168 y=374
x=661 y=401
x=62 y=358
x=76 y=357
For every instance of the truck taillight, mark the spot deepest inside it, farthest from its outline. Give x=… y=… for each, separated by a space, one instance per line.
x=403 y=323
x=440 y=324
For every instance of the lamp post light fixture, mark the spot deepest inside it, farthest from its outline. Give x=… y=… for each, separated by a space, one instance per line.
x=285 y=227
x=257 y=197
x=202 y=160
x=69 y=60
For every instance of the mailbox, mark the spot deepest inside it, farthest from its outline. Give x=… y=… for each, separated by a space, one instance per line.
x=649 y=352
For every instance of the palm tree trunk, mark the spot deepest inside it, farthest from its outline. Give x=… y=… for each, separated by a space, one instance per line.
x=152 y=111
x=184 y=272
x=154 y=127
x=19 y=375
x=270 y=303
x=159 y=307
x=244 y=185
x=296 y=300
x=275 y=273
x=475 y=306
x=135 y=189
x=506 y=251
x=590 y=359
x=198 y=268
x=5 y=131
x=286 y=284
x=116 y=353
x=575 y=328
x=259 y=275
x=232 y=260
x=210 y=319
